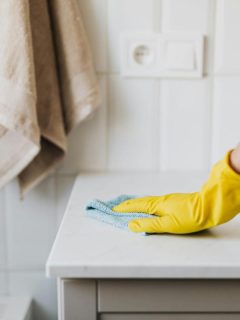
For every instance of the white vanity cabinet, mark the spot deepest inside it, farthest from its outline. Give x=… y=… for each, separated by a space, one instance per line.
x=183 y=316
x=109 y=274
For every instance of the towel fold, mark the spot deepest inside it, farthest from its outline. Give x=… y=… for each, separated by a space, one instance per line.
x=47 y=85
x=102 y=211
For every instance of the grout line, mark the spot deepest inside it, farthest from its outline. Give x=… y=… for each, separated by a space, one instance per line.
x=113 y=73
x=107 y=91
x=156 y=95
x=55 y=185
x=211 y=76
x=162 y=9
x=159 y=9
x=162 y=128
x=6 y=255
x=206 y=73
x=67 y=174
x=157 y=15
x=226 y=74
x=106 y=120
x=156 y=128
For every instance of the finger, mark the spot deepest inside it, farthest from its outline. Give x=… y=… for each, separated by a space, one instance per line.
x=152 y=225
x=145 y=205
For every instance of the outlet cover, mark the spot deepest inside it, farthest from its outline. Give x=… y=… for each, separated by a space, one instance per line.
x=140 y=54
x=182 y=55
x=156 y=55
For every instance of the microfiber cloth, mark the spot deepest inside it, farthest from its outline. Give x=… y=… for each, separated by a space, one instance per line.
x=102 y=211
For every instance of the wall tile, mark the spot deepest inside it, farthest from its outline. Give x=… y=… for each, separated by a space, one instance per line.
x=185 y=125
x=3 y=283
x=226 y=115
x=87 y=143
x=128 y=15
x=95 y=20
x=190 y=15
x=227 y=50
x=2 y=231
x=131 y=124
x=41 y=289
x=31 y=225
x=64 y=185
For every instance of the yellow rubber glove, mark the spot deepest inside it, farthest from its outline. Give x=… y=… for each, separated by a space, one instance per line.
x=217 y=202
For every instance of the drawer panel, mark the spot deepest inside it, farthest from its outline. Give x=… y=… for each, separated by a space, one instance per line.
x=169 y=296
x=125 y=316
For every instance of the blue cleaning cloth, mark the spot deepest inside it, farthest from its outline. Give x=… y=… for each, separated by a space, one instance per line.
x=102 y=211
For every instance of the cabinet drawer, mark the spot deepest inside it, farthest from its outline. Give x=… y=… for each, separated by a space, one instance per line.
x=125 y=316
x=168 y=296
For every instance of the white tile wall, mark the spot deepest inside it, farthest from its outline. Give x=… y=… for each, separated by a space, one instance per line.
x=227 y=49
x=226 y=133
x=184 y=125
x=3 y=249
x=2 y=233
x=131 y=117
x=87 y=143
x=3 y=283
x=124 y=15
x=31 y=225
x=41 y=289
x=143 y=124
x=186 y=15
x=191 y=16
x=64 y=184
x=94 y=14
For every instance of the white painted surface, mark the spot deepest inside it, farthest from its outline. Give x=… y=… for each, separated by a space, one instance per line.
x=87 y=143
x=226 y=131
x=3 y=282
x=15 y=308
x=131 y=118
x=202 y=120
x=94 y=14
x=126 y=15
x=2 y=231
x=30 y=227
x=41 y=290
x=177 y=16
x=184 y=125
x=227 y=42
x=87 y=248
x=64 y=186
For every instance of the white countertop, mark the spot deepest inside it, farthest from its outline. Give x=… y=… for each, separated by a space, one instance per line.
x=86 y=248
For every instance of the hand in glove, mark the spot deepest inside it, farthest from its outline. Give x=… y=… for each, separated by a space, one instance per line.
x=217 y=202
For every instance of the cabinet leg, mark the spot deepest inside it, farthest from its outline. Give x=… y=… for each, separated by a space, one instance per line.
x=77 y=300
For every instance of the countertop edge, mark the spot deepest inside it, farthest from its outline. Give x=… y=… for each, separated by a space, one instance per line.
x=178 y=272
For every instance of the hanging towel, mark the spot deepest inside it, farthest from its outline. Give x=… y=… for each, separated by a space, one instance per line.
x=102 y=211
x=47 y=85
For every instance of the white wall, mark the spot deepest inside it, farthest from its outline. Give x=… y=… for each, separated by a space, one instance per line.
x=142 y=125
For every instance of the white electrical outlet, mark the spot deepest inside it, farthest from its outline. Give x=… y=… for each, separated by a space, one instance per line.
x=155 y=55
x=140 y=55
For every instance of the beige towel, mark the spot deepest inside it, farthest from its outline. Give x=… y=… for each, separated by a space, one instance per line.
x=47 y=85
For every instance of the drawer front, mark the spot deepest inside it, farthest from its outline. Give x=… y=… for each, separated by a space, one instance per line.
x=226 y=316
x=168 y=296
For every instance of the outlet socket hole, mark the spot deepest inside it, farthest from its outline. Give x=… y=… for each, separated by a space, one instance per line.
x=142 y=55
